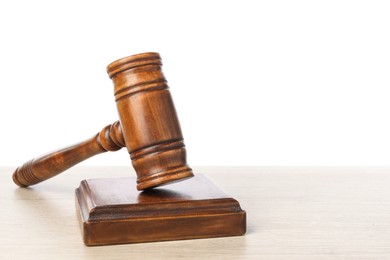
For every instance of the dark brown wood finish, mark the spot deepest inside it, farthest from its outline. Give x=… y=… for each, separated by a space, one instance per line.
x=114 y=211
x=110 y=138
x=196 y=208
x=149 y=122
x=151 y=130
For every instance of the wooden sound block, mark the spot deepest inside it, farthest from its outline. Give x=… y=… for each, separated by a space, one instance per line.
x=113 y=211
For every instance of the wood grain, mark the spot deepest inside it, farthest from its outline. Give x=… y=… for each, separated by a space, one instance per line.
x=112 y=212
x=110 y=138
x=149 y=121
x=149 y=128
x=293 y=213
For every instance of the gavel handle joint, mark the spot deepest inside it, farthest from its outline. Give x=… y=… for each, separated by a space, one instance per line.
x=110 y=138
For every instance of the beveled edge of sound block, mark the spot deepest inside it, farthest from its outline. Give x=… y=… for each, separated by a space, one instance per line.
x=112 y=211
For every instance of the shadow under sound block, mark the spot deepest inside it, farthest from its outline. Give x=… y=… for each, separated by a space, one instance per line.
x=113 y=211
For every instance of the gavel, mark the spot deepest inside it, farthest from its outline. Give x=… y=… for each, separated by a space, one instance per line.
x=148 y=127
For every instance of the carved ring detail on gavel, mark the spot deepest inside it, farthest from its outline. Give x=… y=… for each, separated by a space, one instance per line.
x=110 y=138
x=150 y=125
x=149 y=128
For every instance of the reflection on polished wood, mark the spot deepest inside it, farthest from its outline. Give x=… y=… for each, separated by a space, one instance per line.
x=293 y=213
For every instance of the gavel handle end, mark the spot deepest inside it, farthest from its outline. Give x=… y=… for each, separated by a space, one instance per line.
x=24 y=175
x=15 y=179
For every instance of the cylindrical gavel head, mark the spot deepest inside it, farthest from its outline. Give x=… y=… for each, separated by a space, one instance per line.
x=150 y=125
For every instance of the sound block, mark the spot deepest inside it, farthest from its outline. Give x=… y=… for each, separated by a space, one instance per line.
x=113 y=211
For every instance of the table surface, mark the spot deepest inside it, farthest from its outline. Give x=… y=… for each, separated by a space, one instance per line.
x=292 y=213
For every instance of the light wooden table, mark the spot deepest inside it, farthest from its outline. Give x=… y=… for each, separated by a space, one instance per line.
x=293 y=213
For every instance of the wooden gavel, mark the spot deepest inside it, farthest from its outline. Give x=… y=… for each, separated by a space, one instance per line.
x=148 y=127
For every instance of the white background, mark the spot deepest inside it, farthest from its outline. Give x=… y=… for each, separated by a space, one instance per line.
x=254 y=82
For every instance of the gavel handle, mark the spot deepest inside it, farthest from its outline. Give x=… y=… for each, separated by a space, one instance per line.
x=110 y=138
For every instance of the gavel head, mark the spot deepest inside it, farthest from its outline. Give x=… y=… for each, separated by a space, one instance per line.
x=150 y=125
